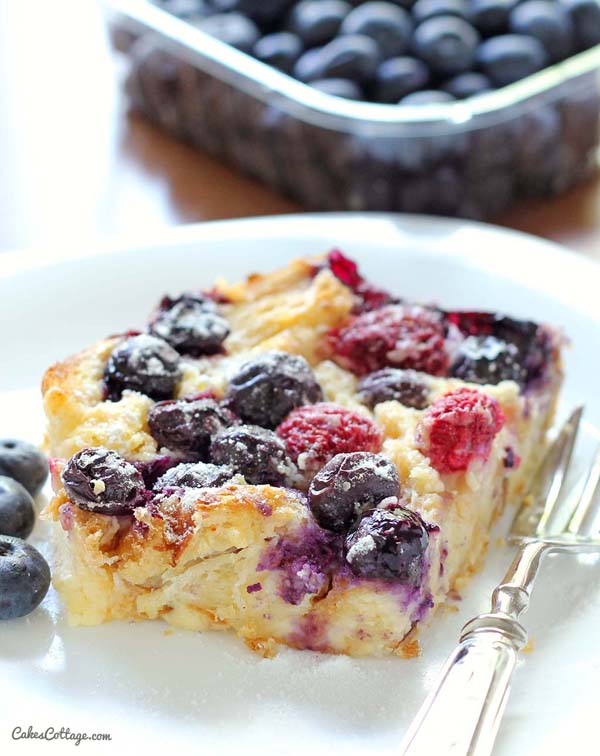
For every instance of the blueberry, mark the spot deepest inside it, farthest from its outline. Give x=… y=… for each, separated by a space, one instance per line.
x=510 y=57
x=427 y=97
x=194 y=475
x=280 y=50
x=24 y=578
x=269 y=387
x=317 y=22
x=389 y=544
x=188 y=425
x=261 y=11
x=354 y=56
x=447 y=44
x=408 y=387
x=100 y=480
x=585 y=15
x=397 y=77
x=424 y=9
x=345 y=88
x=490 y=17
x=191 y=325
x=309 y=66
x=467 y=85
x=24 y=462
x=234 y=29
x=256 y=453
x=17 y=510
x=533 y=342
x=186 y=9
x=387 y=24
x=547 y=21
x=142 y=363
x=486 y=359
x=348 y=485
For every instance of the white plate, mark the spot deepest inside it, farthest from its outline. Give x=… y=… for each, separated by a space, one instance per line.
x=146 y=687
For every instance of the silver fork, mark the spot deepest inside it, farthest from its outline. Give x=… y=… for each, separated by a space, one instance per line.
x=462 y=714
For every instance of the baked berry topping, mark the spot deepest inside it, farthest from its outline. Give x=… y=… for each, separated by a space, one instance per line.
x=191 y=325
x=306 y=561
x=24 y=462
x=393 y=336
x=269 y=387
x=194 y=475
x=389 y=544
x=24 y=578
x=17 y=510
x=458 y=428
x=533 y=342
x=188 y=425
x=100 y=480
x=142 y=363
x=256 y=453
x=393 y=384
x=486 y=359
x=348 y=485
x=316 y=433
x=367 y=297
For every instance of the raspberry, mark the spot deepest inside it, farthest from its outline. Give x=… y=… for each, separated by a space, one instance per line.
x=367 y=297
x=408 y=337
x=316 y=433
x=458 y=428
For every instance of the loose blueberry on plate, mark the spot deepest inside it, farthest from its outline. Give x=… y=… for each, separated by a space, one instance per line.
x=386 y=23
x=143 y=363
x=194 y=475
x=191 y=325
x=424 y=9
x=389 y=544
x=486 y=359
x=447 y=44
x=317 y=22
x=17 y=509
x=468 y=85
x=348 y=485
x=279 y=49
x=234 y=29
x=345 y=88
x=585 y=15
x=24 y=462
x=24 y=578
x=188 y=425
x=510 y=57
x=269 y=387
x=408 y=387
x=397 y=77
x=101 y=481
x=547 y=21
x=256 y=453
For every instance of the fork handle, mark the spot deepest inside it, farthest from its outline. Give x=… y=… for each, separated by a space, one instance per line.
x=462 y=715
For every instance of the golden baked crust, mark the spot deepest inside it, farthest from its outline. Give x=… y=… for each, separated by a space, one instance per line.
x=212 y=558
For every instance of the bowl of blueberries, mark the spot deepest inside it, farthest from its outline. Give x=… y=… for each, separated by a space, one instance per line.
x=24 y=573
x=452 y=107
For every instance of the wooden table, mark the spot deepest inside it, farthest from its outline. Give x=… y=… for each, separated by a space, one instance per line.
x=74 y=165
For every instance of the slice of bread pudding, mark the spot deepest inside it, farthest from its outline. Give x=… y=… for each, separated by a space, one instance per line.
x=301 y=457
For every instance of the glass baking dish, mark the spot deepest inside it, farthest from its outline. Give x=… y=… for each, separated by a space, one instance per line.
x=472 y=158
